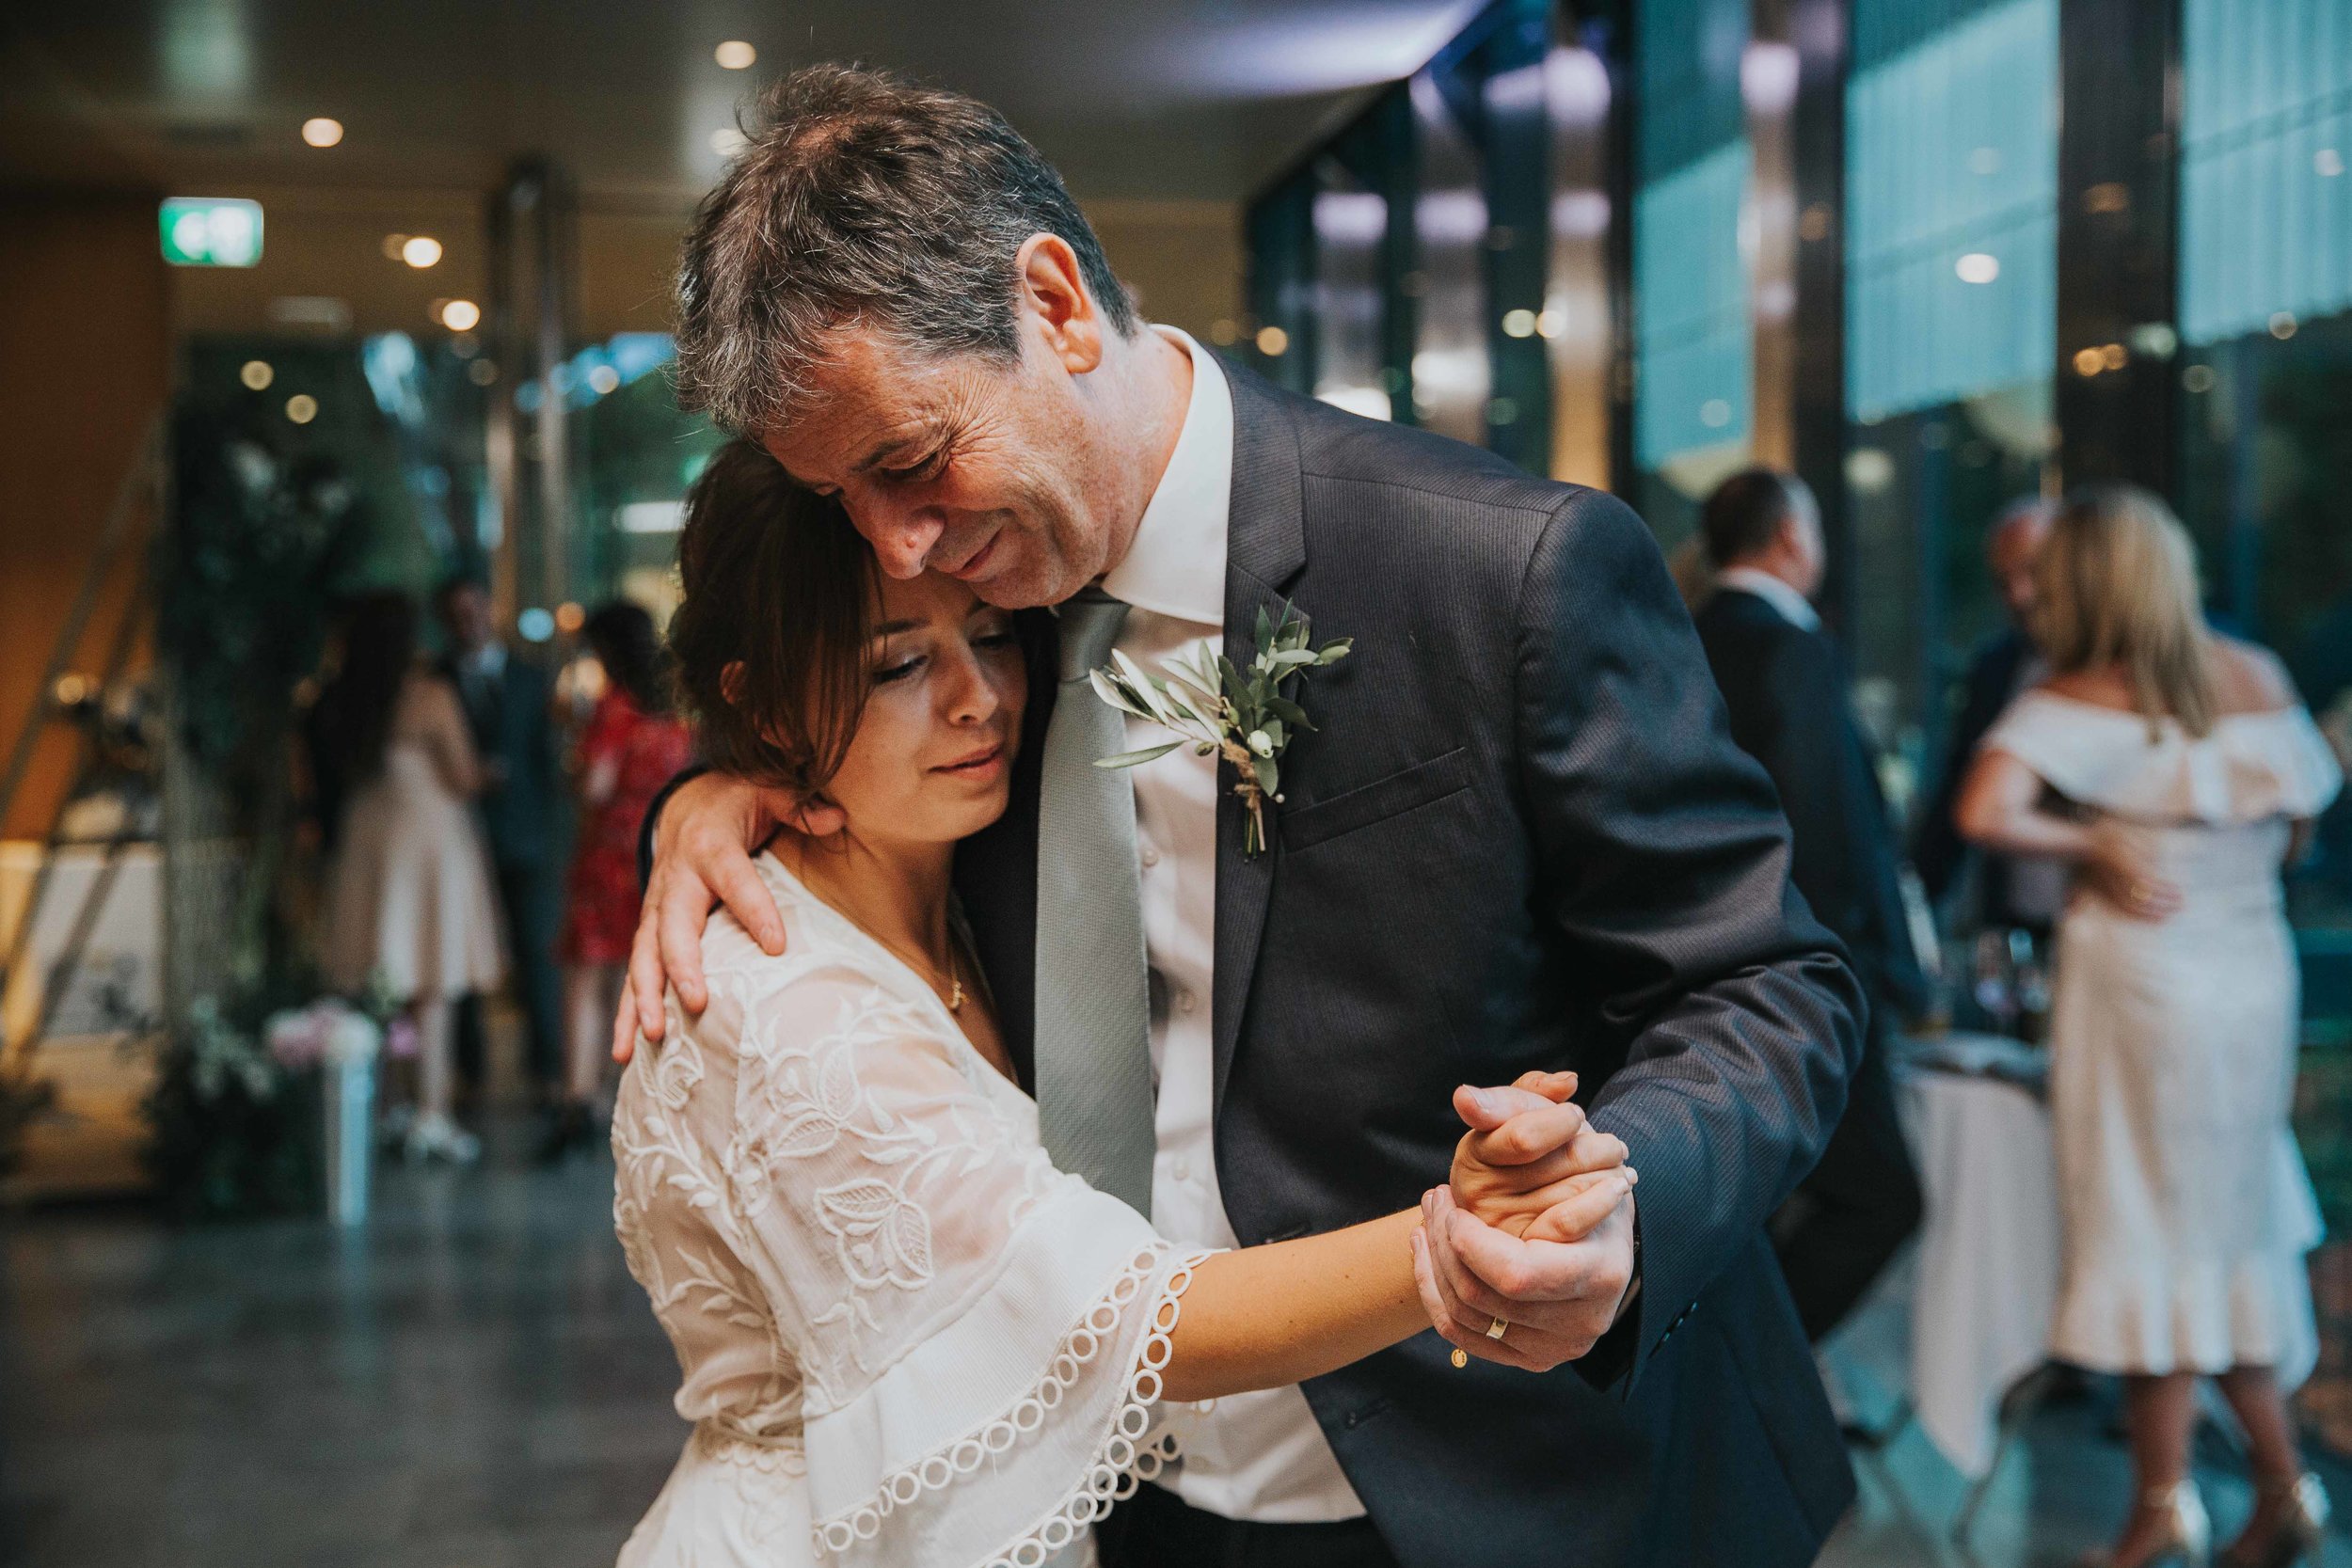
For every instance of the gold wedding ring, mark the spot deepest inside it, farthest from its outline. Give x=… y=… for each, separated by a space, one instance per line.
x=1461 y=1356
x=1495 y=1330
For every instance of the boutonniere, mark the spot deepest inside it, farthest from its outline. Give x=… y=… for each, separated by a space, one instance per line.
x=1215 y=706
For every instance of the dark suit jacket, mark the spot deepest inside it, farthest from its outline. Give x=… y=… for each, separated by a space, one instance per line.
x=513 y=728
x=1519 y=837
x=1786 y=690
x=1939 y=852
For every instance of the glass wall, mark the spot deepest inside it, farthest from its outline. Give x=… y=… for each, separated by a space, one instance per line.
x=1693 y=330
x=1951 y=258
x=2266 y=316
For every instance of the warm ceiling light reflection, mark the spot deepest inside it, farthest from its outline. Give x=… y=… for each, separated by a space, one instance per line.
x=321 y=132
x=1273 y=341
x=735 y=55
x=604 y=378
x=2283 y=325
x=460 y=315
x=569 y=618
x=2115 y=357
x=1519 y=323
x=2088 y=361
x=257 y=375
x=420 y=252
x=1977 y=267
x=302 y=408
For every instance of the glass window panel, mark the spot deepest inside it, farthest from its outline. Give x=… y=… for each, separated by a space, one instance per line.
x=1452 y=377
x=2266 y=138
x=1951 y=202
x=1350 y=224
x=1694 y=348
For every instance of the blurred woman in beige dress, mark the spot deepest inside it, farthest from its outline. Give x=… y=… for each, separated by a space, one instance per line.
x=2177 y=770
x=408 y=900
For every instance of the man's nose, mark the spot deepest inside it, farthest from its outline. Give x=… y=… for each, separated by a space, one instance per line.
x=903 y=537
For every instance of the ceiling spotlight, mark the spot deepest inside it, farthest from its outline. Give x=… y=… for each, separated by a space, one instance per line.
x=735 y=55
x=1977 y=267
x=604 y=378
x=1273 y=341
x=421 y=250
x=727 y=141
x=2327 y=163
x=1519 y=323
x=257 y=375
x=321 y=132
x=302 y=408
x=460 y=315
x=2088 y=361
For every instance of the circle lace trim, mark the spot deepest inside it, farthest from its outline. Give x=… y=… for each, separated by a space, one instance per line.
x=1126 y=1455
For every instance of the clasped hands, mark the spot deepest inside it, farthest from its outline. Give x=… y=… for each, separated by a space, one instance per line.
x=1534 y=1228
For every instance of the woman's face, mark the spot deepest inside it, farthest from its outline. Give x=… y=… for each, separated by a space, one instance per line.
x=932 y=760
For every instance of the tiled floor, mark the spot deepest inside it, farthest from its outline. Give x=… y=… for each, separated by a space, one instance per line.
x=477 y=1383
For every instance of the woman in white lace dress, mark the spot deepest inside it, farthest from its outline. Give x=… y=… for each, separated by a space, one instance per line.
x=2177 y=769
x=408 y=905
x=907 y=1339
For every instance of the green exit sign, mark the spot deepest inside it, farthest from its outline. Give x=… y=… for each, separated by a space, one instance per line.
x=212 y=232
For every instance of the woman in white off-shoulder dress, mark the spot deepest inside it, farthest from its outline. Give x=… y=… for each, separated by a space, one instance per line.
x=908 y=1340
x=2176 y=769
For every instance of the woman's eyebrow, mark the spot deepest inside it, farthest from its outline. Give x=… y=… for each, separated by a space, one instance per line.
x=892 y=629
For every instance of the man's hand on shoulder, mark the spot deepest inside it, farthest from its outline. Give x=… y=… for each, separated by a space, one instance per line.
x=702 y=856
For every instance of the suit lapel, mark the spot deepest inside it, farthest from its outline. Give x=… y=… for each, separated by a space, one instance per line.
x=1266 y=548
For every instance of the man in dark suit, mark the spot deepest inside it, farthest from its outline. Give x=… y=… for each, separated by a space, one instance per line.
x=2011 y=891
x=1785 y=690
x=1517 y=837
x=507 y=700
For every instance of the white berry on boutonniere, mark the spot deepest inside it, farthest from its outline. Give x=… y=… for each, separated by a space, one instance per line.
x=1215 y=706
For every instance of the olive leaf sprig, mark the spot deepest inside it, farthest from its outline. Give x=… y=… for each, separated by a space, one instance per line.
x=1215 y=706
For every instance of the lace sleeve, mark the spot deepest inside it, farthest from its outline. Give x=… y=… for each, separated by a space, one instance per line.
x=980 y=1336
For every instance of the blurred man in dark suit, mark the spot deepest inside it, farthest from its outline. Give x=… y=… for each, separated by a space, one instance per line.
x=1785 y=689
x=507 y=700
x=2017 y=893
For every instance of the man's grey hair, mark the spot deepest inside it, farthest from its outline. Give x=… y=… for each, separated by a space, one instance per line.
x=864 y=198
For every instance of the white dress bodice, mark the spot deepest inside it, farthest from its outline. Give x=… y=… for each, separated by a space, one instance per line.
x=905 y=1336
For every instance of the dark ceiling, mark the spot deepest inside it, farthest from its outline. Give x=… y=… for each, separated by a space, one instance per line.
x=1152 y=99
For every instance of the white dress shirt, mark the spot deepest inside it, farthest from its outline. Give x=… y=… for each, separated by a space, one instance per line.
x=1256 y=1456
x=1795 y=607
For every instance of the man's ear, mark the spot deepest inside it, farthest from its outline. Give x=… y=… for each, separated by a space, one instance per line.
x=1054 y=302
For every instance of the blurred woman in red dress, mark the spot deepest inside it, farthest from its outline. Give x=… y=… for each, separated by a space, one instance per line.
x=632 y=746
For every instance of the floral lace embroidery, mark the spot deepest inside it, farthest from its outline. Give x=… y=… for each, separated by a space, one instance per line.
x=1125 y=1456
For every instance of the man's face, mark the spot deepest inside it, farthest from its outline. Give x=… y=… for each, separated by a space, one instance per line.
x=2010 y=554
x=986 y=472
x=465 y=613
x=1809 y=556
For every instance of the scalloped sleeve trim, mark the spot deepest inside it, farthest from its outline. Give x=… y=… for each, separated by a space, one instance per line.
x=999 y=1438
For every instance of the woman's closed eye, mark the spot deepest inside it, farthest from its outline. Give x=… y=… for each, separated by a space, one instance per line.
x=888 y=671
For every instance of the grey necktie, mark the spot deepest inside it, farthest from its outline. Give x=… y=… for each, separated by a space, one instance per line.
x=1093 y=1006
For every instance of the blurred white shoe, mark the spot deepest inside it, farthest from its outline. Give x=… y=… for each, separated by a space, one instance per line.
x=437 y=1137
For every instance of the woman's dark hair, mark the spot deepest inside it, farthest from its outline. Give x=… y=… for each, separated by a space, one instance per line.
x=621 y=635
x=769 y=638
x=355 y=712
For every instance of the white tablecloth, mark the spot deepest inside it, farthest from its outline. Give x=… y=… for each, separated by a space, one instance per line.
x=1988 y=1267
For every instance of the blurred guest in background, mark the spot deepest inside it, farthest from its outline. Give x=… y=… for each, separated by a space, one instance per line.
x=2189 y=771
x=1786 y=692
x=2015 y=892
x=508 y=701
x=632 y=746
x=408 y=903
